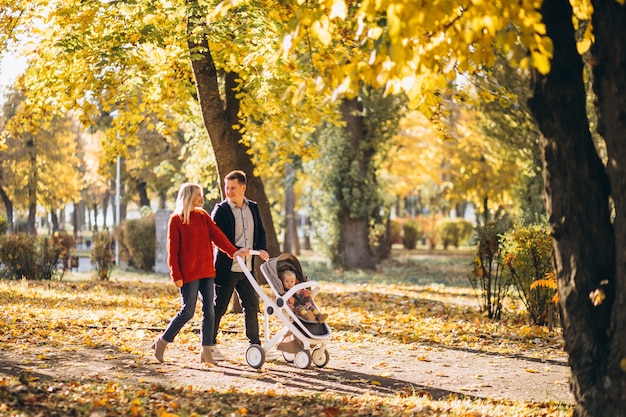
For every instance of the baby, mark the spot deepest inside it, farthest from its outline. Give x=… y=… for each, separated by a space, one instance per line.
x=301 y=302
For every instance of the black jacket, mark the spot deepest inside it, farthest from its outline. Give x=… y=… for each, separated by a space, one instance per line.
x=224 y=218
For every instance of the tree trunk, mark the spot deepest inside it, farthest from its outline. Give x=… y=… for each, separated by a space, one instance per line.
x=54 y=219
x=32 y=187
x=354 y=247
x=142 y=190
x=609 y=74
x=8 y=206
x=219 y=116
x=577 y=202
x=290 y=243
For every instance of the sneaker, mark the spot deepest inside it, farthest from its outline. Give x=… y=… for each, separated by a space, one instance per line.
x=217 y=355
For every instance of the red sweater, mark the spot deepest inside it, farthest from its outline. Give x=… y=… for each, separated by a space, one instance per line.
x=190 y=246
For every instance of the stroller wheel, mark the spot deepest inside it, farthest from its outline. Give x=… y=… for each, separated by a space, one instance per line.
x=255 y=356
x=289 y=357
x=320 y=357
x=302 y=359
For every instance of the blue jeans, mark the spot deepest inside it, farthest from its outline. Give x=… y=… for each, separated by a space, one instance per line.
x=189 y=298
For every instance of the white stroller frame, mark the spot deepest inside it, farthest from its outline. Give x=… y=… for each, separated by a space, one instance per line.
x=311 y=347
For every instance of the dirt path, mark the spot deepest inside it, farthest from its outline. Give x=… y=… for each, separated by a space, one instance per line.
x=354 y=369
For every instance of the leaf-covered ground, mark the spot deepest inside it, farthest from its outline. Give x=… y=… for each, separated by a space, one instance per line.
x=80 y=348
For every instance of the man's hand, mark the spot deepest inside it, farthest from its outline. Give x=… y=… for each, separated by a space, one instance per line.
x=178 y=283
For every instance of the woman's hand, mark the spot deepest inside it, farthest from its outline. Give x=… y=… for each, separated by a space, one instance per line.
x=178 y=283
x=243 y=252
x=264 y=255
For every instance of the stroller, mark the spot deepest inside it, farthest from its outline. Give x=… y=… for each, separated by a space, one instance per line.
x=300 y=341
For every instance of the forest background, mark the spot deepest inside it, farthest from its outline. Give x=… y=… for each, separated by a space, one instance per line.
x=355 y=114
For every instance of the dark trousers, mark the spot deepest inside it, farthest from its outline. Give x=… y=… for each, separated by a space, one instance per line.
x=249 y=299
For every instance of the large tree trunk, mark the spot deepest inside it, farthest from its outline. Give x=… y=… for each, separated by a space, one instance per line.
x=354 y=246
x=219 y=116
x=8 y=206
x=609 y=74
x=577 y=197
x=290 y=243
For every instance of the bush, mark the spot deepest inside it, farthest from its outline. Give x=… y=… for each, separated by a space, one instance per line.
x=27 y=256
x=454 y=232
x=412 y=233
x=488 y=277
x=101 y=255
x=138 y=240
x=4 y=225
x=67 y=244
x=529 y=259
x=18 y=255
x=395 y=231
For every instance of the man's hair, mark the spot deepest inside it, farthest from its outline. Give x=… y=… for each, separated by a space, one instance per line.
x=238 y=175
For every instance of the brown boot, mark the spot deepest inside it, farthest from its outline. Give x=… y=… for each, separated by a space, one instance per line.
x=159 y=346
x=207 y=356
x=322 y=318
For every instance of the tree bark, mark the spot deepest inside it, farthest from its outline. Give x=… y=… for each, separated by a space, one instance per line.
x=290 y=242
x=219 y=116
x=577 y=201
x=142 y=190
x=8 y=206
x=354 y=247
x=609 y=74
x=32 y=186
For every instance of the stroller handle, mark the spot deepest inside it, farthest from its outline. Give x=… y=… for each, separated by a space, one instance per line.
x=253 y=252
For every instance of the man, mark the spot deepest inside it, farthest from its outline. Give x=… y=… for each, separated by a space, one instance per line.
x=240 y=220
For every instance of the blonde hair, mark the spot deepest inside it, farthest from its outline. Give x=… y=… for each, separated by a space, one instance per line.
x=184 y=200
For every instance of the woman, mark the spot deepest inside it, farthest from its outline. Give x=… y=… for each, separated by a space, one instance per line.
x=190 y=238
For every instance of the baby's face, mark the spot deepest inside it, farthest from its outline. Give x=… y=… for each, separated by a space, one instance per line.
x=289 y=280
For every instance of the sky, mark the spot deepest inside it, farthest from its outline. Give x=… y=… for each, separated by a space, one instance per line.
x=10 y=68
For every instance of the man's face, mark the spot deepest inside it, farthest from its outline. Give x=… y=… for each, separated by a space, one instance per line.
x=234 y=191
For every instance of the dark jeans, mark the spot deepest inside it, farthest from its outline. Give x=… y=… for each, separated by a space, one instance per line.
x=249 y=299
x=189 y=298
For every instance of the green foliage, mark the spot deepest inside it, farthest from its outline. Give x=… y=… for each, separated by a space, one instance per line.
x=4 y=225
x=411 y=234
x=528 y=257
x=27 y=256
x=101 y=255
x=488 y=276
x=137 y=238
x=454 y=231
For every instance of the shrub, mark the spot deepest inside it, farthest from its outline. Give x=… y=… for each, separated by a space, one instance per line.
x=4 y=225
x=395 y=231
x=101 y=255
x=27 y=256
x=18 y=255
x=66 y=244
x=411 y=231
x=488 y=277
x=454 y=232
x=138 y=240
x=529 y=259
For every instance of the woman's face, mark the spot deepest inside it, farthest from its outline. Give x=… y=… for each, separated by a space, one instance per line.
x=198 y=199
